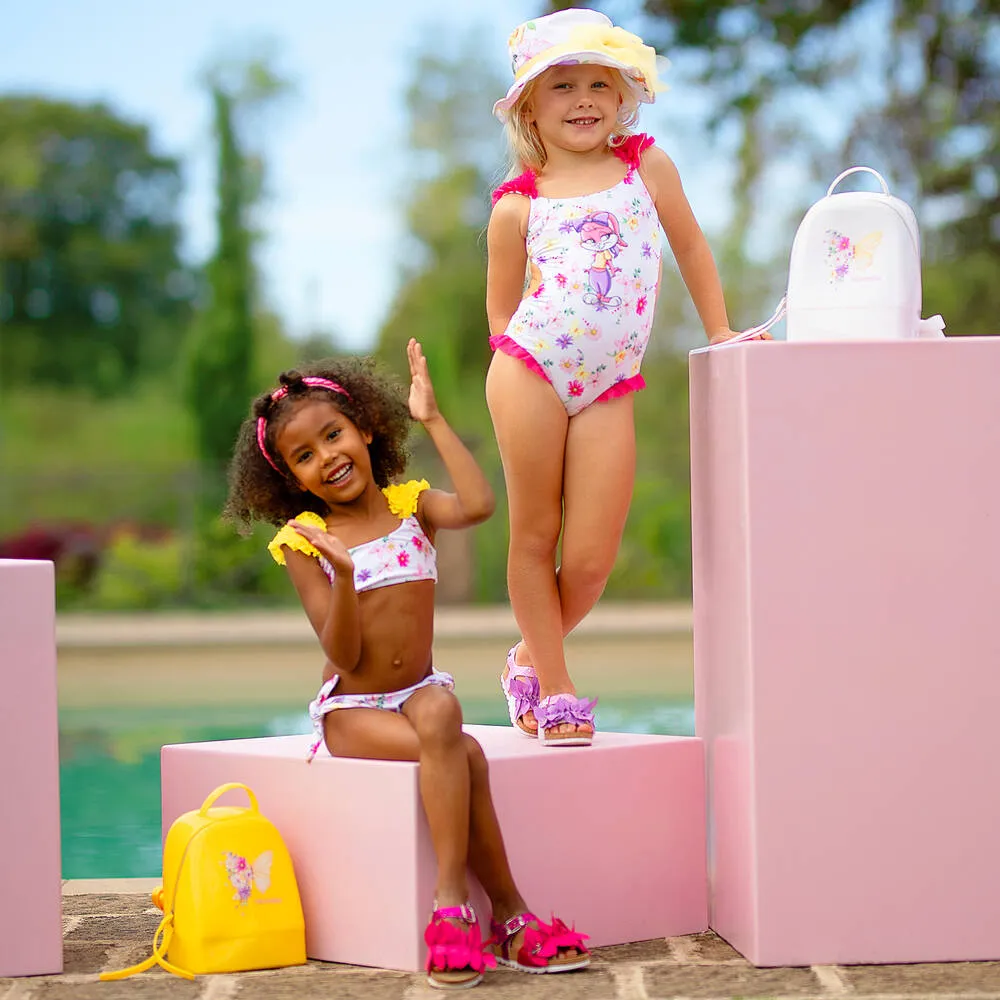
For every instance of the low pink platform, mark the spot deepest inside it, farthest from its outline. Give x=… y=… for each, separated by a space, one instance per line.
x=846 y=516
x=611 y=837
x=30 y=854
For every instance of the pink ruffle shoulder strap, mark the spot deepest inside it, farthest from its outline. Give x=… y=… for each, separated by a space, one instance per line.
x=522 y=184
x=630 y=151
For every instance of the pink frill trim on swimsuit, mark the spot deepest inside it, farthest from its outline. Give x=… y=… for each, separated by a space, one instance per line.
x=522 y=184
x=515 y=350
x=502 y=342
x=630 y=152
x=623 y=388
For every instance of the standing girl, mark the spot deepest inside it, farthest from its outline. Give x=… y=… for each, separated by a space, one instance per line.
x=581 y=219
x=329 y=442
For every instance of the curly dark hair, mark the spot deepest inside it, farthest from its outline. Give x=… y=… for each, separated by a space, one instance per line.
x=376 y=403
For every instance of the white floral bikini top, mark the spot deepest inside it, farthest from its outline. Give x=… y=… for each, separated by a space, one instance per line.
x=403 y=556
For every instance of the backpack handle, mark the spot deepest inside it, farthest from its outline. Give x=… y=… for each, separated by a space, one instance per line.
x=221 y=790
x=854 y=170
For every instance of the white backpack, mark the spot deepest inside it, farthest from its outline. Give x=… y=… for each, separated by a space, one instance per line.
x=854 y=270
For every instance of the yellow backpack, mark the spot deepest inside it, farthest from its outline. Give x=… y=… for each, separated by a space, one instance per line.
x=229 y=897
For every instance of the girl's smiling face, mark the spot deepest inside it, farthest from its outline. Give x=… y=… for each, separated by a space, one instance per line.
x=326 y=452
x=575 y=107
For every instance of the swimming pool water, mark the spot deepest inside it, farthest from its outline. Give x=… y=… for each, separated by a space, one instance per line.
x=110 y=767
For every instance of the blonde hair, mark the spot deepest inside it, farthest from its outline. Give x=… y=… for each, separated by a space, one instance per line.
x=524 y=144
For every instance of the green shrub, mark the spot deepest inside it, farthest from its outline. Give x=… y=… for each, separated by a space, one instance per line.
x=139 y=574
x=229 y=569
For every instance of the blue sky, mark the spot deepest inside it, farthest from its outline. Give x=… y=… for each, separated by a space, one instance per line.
x=336 y=149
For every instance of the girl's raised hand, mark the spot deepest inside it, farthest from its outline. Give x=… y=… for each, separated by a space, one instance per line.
x=423 y=405
x=330 y=546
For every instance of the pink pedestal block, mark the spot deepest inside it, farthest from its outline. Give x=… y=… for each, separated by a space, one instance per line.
x=30 y=854
x=846 y=518
x=611 y=837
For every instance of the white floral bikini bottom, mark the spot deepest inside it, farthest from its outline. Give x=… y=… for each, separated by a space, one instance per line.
x=389 y=701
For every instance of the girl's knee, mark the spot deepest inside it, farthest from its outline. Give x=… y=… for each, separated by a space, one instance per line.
x=538 y=537
x=437 y=718
x=587 y=569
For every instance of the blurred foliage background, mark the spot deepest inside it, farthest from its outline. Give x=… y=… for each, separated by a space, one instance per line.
x=125 y=370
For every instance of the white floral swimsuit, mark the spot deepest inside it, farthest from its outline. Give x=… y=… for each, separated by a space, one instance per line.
x=404 y=555
x=594 y=270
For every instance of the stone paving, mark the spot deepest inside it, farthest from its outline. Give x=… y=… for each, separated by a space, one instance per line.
x=110 y=930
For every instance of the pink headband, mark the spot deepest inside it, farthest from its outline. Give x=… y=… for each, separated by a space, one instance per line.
x=280 y=393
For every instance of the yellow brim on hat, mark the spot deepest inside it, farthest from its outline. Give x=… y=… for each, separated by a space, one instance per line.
x=593 y=43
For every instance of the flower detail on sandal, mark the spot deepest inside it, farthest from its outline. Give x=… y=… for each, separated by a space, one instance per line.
x=565 y=709
x=539 y=951
x=520 y=687
x=455 y=956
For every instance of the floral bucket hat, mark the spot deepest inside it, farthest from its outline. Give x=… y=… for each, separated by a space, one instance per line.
x=580 y=36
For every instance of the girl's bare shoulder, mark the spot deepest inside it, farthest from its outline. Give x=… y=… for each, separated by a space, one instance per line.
x=658 y=171
x=511 y=210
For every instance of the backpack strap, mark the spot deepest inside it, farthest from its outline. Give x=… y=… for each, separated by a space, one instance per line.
x=522 y=184
x=161 y=941
x=630 y=151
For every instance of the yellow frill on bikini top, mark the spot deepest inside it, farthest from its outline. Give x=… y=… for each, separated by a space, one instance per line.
x=402 y=497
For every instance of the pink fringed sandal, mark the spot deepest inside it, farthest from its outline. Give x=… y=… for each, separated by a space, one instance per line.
x=559 y=709
x=455 y=957
x=541 y=947
x=520 y=687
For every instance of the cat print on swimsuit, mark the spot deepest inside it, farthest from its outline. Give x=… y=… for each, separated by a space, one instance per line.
x=601 y=236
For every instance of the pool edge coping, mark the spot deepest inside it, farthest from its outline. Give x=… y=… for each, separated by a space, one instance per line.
x=108 y=886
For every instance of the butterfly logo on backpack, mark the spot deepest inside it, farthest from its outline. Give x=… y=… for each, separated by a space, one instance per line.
x=244 y=876
x=847 y=257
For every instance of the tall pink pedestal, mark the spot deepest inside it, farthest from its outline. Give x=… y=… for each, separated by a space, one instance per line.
x=30 y=855
x=611 y=836
x=846 y=517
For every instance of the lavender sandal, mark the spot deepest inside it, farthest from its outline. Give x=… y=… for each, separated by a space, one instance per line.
x=520 y=687
x=558 y=709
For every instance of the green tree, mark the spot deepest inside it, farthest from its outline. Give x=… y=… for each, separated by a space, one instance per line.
x=92 y=291
x=220 y=360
